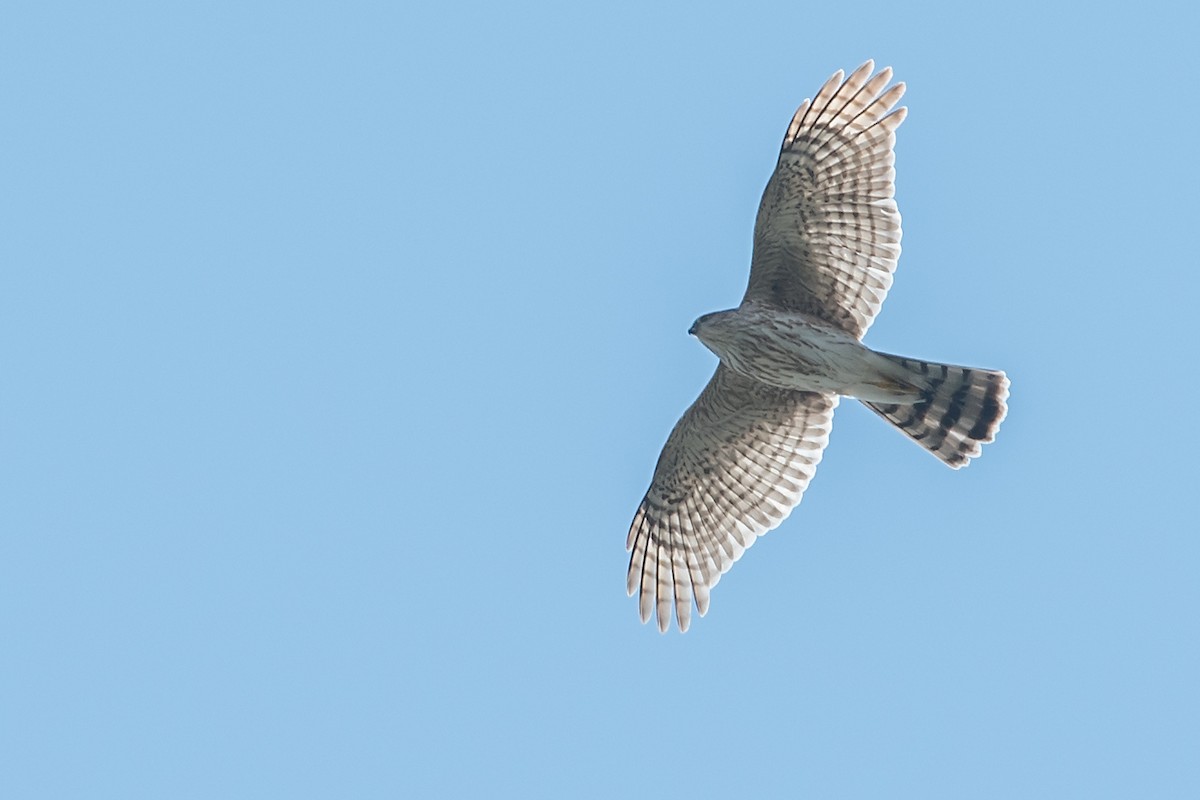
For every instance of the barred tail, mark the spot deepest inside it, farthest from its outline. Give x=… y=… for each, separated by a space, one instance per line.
x=959 y=409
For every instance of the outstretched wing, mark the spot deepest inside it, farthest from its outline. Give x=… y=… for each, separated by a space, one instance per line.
x=828 y=233
x=733 y=468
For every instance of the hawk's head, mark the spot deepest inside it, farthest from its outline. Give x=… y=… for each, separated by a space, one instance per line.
x=713 y=330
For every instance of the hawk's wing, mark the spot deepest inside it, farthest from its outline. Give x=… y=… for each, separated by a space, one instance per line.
x=828 y=233
x=733 y=468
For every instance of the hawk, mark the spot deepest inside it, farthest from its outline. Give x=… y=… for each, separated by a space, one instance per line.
x=826 y=242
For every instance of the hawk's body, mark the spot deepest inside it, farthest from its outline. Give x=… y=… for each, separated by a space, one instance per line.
x=791 y=350
x=825 y=245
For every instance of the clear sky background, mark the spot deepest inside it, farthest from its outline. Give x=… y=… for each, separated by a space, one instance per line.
x=338 y=343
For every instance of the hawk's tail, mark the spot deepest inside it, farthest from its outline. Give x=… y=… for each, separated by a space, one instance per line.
x=958 y=411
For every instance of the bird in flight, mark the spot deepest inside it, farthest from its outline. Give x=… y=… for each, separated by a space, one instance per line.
x=826 y=242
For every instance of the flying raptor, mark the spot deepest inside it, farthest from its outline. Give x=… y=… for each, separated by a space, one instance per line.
x=826 y=243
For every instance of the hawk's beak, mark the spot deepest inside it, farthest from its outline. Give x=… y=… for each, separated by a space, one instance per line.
x=692 y=330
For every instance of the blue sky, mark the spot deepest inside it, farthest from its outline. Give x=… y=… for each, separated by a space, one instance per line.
x=339 y=342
